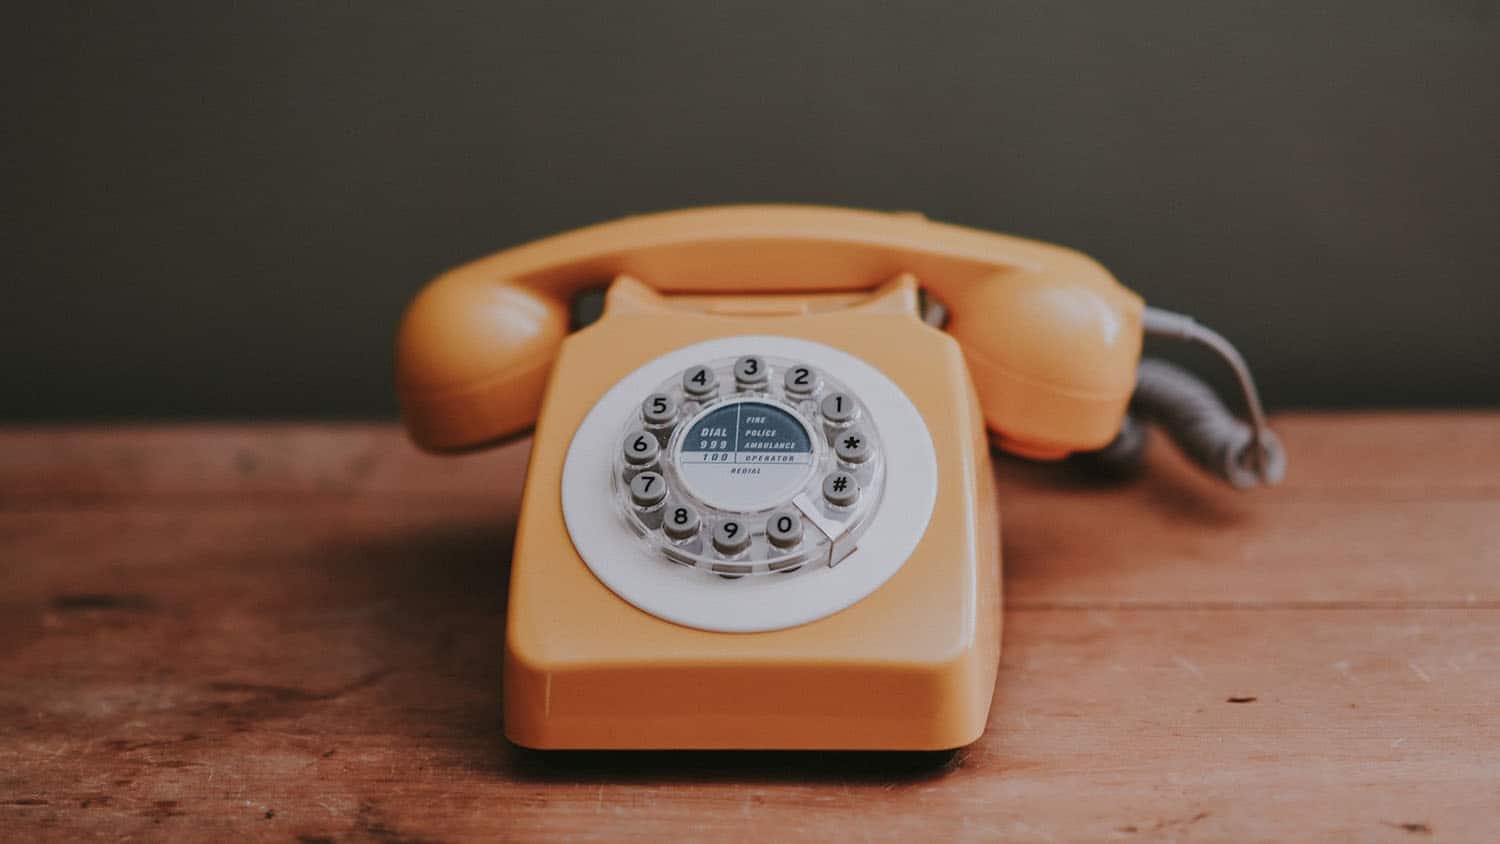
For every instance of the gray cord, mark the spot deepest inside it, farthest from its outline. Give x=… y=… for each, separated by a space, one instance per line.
x=1204 y=428
x=1244 y=455
x=934 y=313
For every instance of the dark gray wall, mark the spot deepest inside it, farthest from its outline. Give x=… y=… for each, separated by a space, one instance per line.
x=220 y=211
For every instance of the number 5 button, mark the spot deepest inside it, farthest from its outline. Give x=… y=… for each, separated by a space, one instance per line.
x=800 y=381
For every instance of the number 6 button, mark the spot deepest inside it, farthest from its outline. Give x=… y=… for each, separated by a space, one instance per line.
x=640 y=448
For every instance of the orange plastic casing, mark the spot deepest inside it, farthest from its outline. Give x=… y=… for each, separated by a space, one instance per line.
x=912 y=666
x=1041 y=348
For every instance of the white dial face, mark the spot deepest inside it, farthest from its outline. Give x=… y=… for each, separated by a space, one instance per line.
x=745 y=484
x=744 y=455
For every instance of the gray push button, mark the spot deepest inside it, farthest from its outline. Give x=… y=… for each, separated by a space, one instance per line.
x=852 y=446
x=647 y=489
x=700 y=382
x=800 y=381
x=681 y=523
x=784 y=528
x=659 y=409
x=640 y=448
x=731 y=537
x=750 y=373
x=838 y=407
x=841 y=489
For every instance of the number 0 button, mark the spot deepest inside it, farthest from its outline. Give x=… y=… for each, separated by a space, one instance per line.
x=784 y=528
x=700 y=381
x=647 y=489
x=640 y=448
x=841 y=489
x=731 y=537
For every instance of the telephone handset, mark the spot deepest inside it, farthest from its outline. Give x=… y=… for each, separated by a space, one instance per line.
x=1051 y=339
x=759 y=511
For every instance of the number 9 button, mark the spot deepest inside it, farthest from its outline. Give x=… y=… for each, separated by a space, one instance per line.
x=731 y=537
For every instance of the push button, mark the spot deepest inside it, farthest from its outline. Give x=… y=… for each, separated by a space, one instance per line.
x=647 y=489
x=784 y=529
x=852 y=446
x=800 y=381
x=841 y=489
x=838 y=408
x=700 y=382
x=659 y=409
x=750 y=373
x=681 y=523
x=640 y=448
x=731 y=537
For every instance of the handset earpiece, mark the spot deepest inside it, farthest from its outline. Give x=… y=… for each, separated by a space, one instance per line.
x=472 y=360
x=1052 y=349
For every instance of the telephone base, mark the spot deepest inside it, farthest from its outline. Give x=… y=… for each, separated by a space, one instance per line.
x=906 y=661
x=848 y=705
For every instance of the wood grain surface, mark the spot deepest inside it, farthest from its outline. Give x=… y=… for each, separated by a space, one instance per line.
x=293 y=632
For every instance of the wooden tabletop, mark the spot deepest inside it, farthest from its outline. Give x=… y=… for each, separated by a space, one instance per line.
x=294 y=632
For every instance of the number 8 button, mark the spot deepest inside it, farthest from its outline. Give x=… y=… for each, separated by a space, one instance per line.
x=681 y=523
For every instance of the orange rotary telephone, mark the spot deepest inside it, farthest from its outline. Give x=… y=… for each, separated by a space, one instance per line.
x=759 y=511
